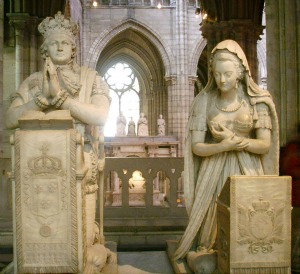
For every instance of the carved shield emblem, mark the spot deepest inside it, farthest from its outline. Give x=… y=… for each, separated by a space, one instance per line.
x=45 y=197
x=261 y=225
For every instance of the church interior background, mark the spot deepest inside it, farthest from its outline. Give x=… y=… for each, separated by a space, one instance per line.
x=153 y=55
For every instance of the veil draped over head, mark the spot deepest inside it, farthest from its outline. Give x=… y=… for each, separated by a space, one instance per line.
x=198 y=121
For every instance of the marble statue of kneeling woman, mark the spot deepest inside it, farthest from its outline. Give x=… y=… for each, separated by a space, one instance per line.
x=232 y=130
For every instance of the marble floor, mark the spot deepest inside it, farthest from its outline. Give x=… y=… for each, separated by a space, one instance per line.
x=144 y=262
x=137 y=262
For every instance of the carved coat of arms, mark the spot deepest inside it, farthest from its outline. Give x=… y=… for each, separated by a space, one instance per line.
x=260 y=226
x=45 y=189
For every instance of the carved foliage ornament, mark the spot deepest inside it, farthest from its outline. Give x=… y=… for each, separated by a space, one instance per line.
x=260 y=226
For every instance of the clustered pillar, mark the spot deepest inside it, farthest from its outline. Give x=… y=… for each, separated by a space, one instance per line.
x=244 y=31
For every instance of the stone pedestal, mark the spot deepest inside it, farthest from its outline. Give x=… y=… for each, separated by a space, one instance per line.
x=47 y=180
x=254 y=225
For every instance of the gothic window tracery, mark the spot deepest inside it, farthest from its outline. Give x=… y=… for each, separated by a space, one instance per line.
x=124 y=90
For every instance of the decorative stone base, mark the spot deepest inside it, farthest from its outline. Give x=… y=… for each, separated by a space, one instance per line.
x=254 y=225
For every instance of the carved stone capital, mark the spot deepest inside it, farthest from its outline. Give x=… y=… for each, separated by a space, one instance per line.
x=192 y=79
x=245 y=32
x=18 y=21
x=171 y=80
x=235 y=28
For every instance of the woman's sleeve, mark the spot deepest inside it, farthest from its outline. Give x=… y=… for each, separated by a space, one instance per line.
x=198 y=115
x=263 y=116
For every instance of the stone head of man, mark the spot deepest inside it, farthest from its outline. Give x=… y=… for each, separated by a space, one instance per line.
x=59 y=39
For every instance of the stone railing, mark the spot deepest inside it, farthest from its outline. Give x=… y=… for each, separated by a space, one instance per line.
x=148 y=3
x=141 y=146
x=144 y=194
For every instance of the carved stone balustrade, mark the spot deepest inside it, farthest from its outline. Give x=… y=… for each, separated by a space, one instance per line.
x=156 y=146
x=162 y=215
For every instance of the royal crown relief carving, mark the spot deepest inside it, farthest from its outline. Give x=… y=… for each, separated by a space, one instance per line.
x=44 y=164
x=260 y=226
x=45 y=189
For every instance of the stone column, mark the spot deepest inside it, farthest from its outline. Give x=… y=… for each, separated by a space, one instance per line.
x=157 y=104
x=86 y=32
x=1 y=74
x=179 y=94
x=171 y=86
x=153 y=106
x=33 y=22
x=243 y=31
x=18 y=21
x=40 y=60
x=283 y=63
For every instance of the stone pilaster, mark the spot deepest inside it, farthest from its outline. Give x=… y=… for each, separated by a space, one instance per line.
x=171 y=85
x=33 y=52
x=18 y=21
x=179 y=98
x=283 y=63
x=245 y=32
x=1 y=74
x=157 y=104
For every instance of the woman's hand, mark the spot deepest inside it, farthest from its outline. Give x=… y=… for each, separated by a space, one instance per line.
x=231 y=143
x=234 y=143
x=220 y=135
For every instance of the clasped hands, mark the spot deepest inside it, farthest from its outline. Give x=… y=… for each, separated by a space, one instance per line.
x=228 y=139
x=52 y=93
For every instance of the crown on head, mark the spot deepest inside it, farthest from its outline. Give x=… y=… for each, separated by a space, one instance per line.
x=58 y=24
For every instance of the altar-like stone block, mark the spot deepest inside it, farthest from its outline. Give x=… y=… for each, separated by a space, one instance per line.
x=47 y=182
x=254 y=225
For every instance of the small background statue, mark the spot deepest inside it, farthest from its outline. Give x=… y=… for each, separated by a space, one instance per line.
x=131 y=128
x=161 y=126
x=121 y=125
x=143 y=125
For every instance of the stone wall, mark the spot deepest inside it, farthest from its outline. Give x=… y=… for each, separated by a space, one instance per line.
x=173 y=31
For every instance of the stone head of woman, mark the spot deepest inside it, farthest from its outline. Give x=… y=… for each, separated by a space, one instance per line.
x=227 y=70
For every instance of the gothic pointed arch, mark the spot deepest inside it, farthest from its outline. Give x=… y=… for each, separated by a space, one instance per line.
x=102 y=40
x=195 y=55
x=149 y=58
